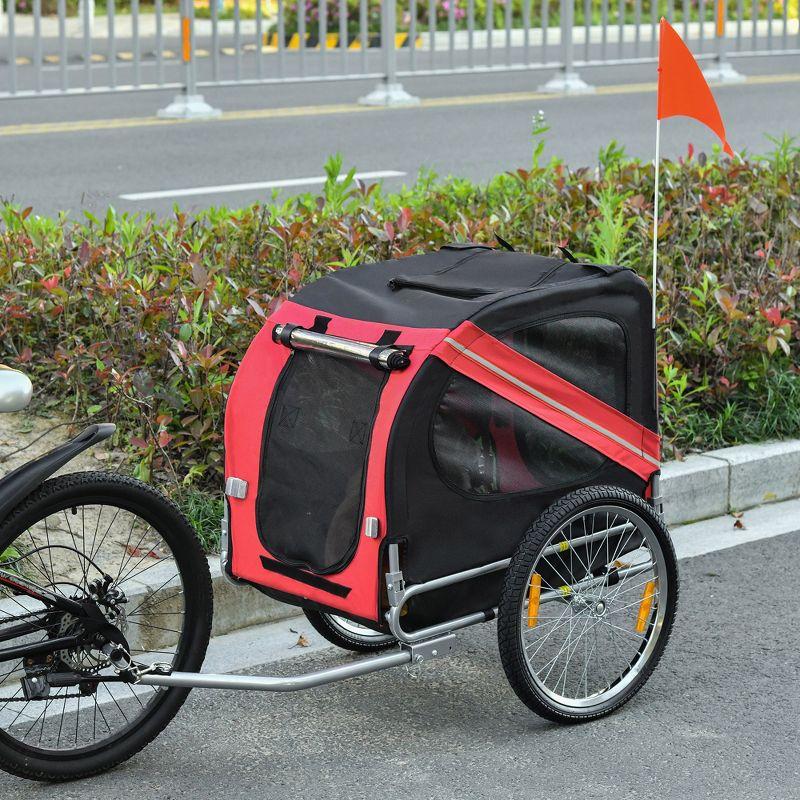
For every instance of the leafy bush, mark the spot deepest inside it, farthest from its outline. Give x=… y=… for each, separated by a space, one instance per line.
x=143 y=320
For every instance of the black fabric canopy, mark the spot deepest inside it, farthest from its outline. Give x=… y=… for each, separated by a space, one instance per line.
x=446 y=287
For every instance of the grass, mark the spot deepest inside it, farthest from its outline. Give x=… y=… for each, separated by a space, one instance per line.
x=204 y=511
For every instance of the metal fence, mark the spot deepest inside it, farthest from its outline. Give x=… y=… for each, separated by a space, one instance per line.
x=52 y=47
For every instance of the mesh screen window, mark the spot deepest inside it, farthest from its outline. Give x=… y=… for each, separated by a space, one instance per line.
x=484 y=445
x=314 y=460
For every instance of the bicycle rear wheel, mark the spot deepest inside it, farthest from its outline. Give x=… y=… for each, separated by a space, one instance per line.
x=121 y=548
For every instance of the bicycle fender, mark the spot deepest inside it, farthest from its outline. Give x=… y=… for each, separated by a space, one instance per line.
x=17 y=485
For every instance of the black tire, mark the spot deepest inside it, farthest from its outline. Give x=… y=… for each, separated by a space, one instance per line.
x=328 y=626
x=513 y=610
x=96 y=489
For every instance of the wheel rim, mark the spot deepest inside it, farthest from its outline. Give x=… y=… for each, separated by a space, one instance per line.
x=68 y=550
x=590 y=621
x=354 y=630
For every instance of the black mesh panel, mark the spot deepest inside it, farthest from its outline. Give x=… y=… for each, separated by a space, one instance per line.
x=484 y=444
x=314 y=459
x=589 y=352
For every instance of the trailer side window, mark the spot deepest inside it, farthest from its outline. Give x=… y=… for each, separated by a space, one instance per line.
x=483 y=444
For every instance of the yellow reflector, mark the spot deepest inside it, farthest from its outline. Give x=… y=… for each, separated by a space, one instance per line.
x=646 y=606
x=534 y=592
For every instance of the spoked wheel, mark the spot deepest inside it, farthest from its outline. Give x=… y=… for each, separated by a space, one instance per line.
x=587 y=605
x=96 y=571
x=347 y=634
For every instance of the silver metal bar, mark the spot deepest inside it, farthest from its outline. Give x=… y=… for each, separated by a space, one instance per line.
x=443 y=628
x=508 y=21
x=62 y=45
x=432 y=32
x=526 y=25
x=37 y=42
x=770 y=14
x=470 y=33
x=686 y=8
x=214 y=39
x=281 y=38
x=389 y=40
x=159 y=10
x=112 y=43
x=393 y=616
x=785 y=34
x=653 y=27
x=301 y=33
x=456 y=577
x=546 y=27
x=451 y=33
x=587 y=26
x=343 y=43
x=739 y=18
x=579 y=541
x=389 y=357
x=12 y=47
x=604 y=22
x=323 y=37
x=588 y=583
x=87 y=44
x=702 y=14
x=259 y=39
x=237 y=39
x=137 y=46
x=363 y=30
x=412 y=34
x=489 y=32
x=621 y=27
x=293 y=683
x=637 y=21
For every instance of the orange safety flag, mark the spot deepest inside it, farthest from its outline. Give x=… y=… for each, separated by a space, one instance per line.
x=682 y=88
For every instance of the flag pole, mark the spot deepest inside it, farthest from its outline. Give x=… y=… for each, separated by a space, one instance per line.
x=655 y=221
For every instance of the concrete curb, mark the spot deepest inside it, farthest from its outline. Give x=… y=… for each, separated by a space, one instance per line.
x=700 y=487
x=731 y=479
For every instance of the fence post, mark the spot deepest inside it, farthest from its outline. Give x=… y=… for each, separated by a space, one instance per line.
x=722 y=71
x=566 y=80
x=188 y=104
x=389 y=92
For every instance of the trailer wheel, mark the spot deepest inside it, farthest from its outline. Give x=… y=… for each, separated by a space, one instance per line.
x=587 y=605
x=347 y=634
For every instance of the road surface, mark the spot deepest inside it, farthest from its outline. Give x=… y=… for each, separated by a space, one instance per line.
x=472 y=126
x=718 y=719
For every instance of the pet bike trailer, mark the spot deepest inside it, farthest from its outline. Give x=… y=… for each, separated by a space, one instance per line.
x=411 y=444
x=412 y=447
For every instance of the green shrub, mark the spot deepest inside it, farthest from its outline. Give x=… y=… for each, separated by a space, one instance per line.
x=143 y=320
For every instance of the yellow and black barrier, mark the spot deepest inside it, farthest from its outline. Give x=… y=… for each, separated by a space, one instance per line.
x=332 y=41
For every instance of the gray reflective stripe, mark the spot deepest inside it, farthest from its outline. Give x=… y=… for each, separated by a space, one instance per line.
x=551 y=402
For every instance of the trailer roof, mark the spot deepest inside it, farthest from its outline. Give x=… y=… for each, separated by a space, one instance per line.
x=446 y=287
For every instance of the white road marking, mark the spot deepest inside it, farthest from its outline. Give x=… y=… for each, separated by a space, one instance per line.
x=318 y=180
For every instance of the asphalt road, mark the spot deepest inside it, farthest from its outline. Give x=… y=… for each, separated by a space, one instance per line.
x=718 y=719
x=53 y=169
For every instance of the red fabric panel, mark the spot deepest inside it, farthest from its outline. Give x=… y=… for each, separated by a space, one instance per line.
x=245 y=415
x=486 y=347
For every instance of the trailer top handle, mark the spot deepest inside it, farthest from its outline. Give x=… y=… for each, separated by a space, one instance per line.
x=384 y=357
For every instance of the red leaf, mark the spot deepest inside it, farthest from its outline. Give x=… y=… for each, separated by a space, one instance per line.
x=50 y=283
